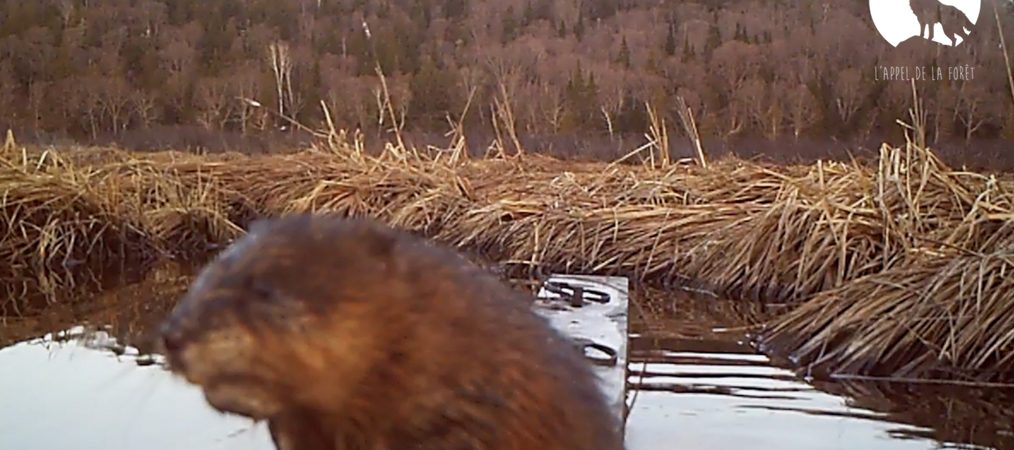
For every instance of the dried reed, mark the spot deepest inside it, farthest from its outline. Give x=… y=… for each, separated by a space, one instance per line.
x=896 y=267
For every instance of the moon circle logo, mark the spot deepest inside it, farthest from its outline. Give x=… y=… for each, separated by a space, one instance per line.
x=946 y=22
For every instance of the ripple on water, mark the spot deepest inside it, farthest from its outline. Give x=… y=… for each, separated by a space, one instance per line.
x=733 y=398
x=691 y=392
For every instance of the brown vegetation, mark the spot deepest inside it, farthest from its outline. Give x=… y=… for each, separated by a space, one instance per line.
x=748 y=68
x=895 y=267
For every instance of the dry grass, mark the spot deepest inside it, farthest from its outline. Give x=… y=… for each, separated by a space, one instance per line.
x=899 y=266
x=933 y=317
x=93 y=206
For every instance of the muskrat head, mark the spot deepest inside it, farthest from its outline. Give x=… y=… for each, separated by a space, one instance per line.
x=276 y=320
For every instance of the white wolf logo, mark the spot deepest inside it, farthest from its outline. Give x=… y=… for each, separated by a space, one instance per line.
x=946 y=22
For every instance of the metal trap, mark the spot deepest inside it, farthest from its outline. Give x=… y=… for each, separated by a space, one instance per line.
x=592 y=311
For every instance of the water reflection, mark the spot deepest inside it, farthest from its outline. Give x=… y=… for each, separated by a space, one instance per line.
x=694 y=383
x=729 y=400
x=69 y=391
x=957 y=414
x=699 y=385
x=127 y=302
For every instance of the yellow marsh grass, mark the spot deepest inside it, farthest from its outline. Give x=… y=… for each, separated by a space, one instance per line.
x=784 y=235
x=938 y=316
x=61 y=211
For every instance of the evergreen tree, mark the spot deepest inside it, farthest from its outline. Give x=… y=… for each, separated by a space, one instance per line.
x=670 y=40
x=432 y=93
x=509 y=24
x=455 y=9
x=714 y=39
x=580 y=101
x=624 y=57
x=529 y=15
x=579 y=27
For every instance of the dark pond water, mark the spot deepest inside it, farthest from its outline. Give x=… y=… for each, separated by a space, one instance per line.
x=76 y=374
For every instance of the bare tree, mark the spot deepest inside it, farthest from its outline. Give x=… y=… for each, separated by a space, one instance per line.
x=37 y=96
x=802 y=107
x=66 y=8
x=114 y=98
x=215 y=102
x=308 y=19
x=348 y=100
x=7 y=93
x=152 y=15
x=34 y=51
x=551 y=100
x=848 y=94
x=613 y=93
x=281 y=67
x=143 y=104
x=971 y=109
x=89 y=102
x=178 y=50
x=765 y=107
x=748 y=67
x=734 y=61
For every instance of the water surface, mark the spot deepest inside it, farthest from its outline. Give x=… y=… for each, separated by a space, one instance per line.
x=694 y=382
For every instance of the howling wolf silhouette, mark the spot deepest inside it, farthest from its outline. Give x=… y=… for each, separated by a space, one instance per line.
x=932 y=12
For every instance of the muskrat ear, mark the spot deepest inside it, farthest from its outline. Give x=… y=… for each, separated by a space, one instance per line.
x=259 y=226
x=380 y=244
x=371 y=237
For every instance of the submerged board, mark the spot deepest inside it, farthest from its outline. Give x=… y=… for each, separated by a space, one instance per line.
x=599 y=319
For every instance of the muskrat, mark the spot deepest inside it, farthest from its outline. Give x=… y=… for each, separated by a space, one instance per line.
x=347 y=334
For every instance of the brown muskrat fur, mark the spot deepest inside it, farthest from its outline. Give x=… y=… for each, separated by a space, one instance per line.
x=345 y=334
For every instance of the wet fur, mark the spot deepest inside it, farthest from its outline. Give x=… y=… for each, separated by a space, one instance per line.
x=344 y=334
x=932 y=12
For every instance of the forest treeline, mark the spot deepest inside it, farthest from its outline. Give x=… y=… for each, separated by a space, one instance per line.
x=766 y=68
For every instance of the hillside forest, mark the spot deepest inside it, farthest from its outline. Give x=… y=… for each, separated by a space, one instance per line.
x=767 y=69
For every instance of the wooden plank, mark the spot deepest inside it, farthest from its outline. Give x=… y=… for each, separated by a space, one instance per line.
x=602 y=323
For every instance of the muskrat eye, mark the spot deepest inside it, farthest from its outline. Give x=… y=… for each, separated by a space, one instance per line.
x=260 y=289
x=267 y=305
